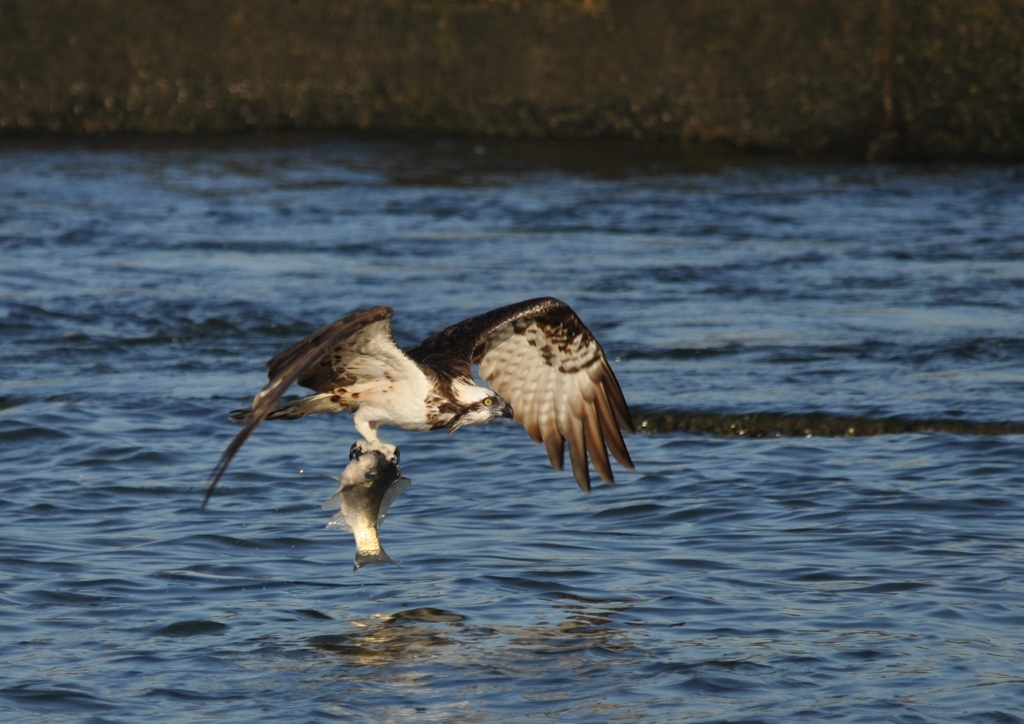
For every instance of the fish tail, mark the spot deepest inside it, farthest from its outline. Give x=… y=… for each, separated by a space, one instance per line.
x=374 y=556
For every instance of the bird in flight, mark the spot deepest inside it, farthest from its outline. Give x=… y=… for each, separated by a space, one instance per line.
x=544 y=367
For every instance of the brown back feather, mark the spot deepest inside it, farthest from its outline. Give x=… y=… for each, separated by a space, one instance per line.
x=285 y=369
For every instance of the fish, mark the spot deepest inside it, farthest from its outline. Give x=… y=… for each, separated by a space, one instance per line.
x=369 y=485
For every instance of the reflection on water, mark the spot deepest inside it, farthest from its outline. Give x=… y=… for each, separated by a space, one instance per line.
x=386 y=639
x=415 y=648
x=402 y=637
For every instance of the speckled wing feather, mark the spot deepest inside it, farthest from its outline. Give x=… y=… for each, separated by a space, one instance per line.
x=543 y=360
x=312 y=362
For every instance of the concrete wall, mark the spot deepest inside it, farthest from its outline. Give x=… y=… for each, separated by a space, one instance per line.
x=883 y=78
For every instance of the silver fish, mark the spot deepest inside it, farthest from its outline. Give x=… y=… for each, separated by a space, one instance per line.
x=369 y=485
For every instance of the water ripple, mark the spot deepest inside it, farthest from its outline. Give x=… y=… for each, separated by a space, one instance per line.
x=763 y=563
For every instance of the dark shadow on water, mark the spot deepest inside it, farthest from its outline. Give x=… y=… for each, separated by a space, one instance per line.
x=442 y=160
x=812 y=424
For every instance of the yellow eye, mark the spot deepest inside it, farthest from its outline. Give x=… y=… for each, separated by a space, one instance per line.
x=488 y=401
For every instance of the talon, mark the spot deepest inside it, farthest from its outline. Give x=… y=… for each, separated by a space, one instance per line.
x=356 y=451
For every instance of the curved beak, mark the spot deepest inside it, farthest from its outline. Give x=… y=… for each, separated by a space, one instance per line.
x=508 y=412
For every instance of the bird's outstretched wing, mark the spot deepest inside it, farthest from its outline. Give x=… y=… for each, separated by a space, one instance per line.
x=314 y=362
x=543 y=360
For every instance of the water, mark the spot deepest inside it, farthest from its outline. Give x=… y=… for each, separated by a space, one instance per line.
x=869 y=579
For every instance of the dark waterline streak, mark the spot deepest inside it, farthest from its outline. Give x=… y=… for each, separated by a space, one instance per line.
x=813 y=424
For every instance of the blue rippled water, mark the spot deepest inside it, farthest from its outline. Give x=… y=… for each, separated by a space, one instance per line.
x=875 y=579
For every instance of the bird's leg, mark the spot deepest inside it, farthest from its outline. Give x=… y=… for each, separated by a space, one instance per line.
x=358 y=449
x=371 y=442
x=361 y=447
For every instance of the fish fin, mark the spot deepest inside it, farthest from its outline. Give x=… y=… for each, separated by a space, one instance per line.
x=338 y=522
x=378 y=556
x=394 y=490
x=333 y=502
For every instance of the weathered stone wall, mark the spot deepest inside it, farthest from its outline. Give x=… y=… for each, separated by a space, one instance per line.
x=912 y=78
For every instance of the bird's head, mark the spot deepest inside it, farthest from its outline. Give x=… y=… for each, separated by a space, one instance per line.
x=477 y=406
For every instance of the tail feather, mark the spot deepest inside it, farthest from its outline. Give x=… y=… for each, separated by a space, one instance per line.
x=295 y=409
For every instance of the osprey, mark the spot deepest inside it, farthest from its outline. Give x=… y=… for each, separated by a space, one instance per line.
x=539 y=358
